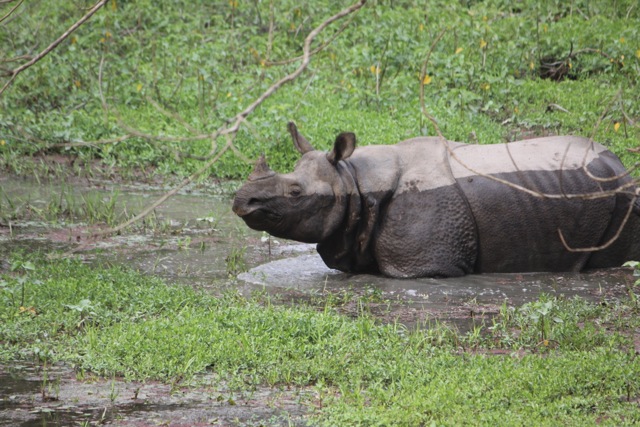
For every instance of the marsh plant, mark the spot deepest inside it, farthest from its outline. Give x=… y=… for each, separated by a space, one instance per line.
x=49 y=389
x=85 y=310
x=99 y=208
x=64 y=204
x=633 y=287
x=236 y=262
x=540 y=315
x=16 y=288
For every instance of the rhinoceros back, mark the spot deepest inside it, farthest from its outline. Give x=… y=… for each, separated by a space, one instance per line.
x=519 y=231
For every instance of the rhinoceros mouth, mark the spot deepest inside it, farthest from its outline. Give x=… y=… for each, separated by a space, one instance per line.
x=261 y=218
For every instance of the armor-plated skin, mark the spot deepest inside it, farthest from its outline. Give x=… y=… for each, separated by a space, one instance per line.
x=429 y=208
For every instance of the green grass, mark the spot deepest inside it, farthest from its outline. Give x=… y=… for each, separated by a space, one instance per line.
x=576 y=368
x=178 y=68
x=168 y=71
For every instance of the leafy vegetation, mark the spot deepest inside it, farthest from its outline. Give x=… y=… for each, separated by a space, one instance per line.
x=139 y=89
x=176 y=70
x=551 y=361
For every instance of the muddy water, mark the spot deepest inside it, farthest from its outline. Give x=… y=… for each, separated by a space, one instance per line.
x=194 y=239
x=462 y=301
x=188 y=236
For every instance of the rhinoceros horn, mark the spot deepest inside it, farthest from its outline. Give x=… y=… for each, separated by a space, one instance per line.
x=299 y=141
x=261 y=170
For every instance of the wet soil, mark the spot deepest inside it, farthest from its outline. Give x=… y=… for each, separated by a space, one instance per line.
x=194 y=239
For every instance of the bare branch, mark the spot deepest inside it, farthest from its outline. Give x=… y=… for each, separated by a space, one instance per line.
x=53 y=45
x=239 y=118
x=612 y=239
x=229 y=132
x=11 y=11
x=306 y=57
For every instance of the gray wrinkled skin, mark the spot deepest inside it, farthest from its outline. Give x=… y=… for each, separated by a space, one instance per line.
x=429 y=208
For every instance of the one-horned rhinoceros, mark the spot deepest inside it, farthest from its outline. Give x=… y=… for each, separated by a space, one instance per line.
x=426 y=207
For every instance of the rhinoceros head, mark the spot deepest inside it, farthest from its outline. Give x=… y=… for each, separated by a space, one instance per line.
x=307 y=204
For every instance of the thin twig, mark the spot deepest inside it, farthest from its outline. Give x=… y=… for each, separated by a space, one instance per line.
x=153 y=139
x=617 y=97
x=53 y=45
x=423 y=74
x=14 y=59
x=272 y=23
x=316 y=50
x=147 y=210
x=89 y=143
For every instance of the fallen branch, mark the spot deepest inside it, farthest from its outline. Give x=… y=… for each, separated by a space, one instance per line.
x=558 y=69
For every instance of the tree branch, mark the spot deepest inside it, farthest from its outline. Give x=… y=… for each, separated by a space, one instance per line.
x=11 y=11
x=612 y=239
x=53 y=45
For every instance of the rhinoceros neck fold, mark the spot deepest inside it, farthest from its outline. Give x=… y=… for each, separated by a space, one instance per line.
x=354 y=205
x=341 y=250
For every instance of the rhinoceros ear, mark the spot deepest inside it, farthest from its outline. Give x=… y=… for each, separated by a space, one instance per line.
x=261 y=170
x=299 y=141
x=342 y=148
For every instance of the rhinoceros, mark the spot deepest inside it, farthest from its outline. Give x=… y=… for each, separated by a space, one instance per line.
x=426 y=207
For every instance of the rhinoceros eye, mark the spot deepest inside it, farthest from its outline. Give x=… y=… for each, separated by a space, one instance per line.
x=295 y=191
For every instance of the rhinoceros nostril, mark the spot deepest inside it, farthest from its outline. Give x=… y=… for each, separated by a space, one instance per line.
x=253 y=201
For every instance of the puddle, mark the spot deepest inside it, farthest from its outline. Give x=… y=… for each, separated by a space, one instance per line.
x=190 y=235
x=33 y=397
x=461 y=300
x=194 y=239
